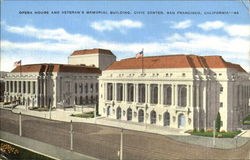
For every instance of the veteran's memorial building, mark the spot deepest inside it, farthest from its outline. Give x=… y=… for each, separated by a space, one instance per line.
x=176 y=91
x=179 y=91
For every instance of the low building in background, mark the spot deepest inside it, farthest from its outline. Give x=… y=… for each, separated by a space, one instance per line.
x=178 y=91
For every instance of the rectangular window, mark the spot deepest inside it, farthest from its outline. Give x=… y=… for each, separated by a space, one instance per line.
x=141 y=93
x=86 y=88
x=154 y=93
x=91 y=88
x=75 y=88
x=7 y=86
x=19 y=86
x=109 y=91
x=28 y=87
x=81 y=87
x=15 y=86
x=11 y=86
x=130 y=92
x=96 y=87
x=24 y=87
x=167 y=94
x=34 y=87
x=119 y=90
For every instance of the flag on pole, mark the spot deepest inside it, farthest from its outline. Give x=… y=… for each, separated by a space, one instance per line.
x=140 y=54
x=17 y=63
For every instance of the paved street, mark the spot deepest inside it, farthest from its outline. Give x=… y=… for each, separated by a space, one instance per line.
x=103 y=142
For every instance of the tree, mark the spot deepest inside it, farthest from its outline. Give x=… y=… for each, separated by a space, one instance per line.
x=218 y=122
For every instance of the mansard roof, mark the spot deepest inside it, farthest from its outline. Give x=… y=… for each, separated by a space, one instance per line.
x=92 y=51
x=56 y=68
x=174 y=61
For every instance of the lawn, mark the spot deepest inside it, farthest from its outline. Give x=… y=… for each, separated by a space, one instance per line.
x=84 y=115
x=246 y=120
x=13 y=152
x=217 y=134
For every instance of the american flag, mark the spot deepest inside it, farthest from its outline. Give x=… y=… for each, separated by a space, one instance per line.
x=140 y=54
x=17 y=63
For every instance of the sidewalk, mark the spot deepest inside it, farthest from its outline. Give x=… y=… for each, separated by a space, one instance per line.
x=64 y=115
x=43 y=148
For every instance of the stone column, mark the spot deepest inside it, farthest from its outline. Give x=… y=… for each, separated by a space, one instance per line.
x=115 y=91
x=125 y=91
x=176 y=95
x=135 y=92
x=6 y=89
x=198 y=104
x=146 y=93
x=172 y=94
x=188 y=95
x=191 y=95
x=149 y=93
x=204 y=104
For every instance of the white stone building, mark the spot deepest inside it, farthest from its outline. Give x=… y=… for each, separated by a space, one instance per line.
x=100 y=58
x=43 y=85
x=179 y=91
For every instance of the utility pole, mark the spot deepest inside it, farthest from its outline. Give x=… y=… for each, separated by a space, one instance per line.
x=49 y=110
x=71 y=136
x=121 y=145
x=20 y=124
x=214 y=134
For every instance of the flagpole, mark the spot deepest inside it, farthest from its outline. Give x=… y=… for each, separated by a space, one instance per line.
x=20 y=67
x=142 y=61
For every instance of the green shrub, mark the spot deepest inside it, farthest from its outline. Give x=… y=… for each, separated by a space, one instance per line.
x=195 y=130
x=202 y=130
x=218 y=122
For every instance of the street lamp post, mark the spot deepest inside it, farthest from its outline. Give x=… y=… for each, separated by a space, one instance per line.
x=214 y=133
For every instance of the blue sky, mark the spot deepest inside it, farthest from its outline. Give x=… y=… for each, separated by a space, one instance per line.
x=51 y=38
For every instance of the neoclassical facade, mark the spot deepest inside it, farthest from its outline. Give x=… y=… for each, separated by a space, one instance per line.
x=43 y=85
x=177 y=91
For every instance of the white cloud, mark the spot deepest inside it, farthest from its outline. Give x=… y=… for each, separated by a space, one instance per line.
x=175 y=37
x=110 y=25
x=232 y=30
x=210 y=25
x=181 y=25
x=57 y=44
x=238 y=30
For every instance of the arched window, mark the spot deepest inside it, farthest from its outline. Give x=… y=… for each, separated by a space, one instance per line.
x=118 y=113
x=141 y=116
x=166 y=119
x=181 y=121
x=153 y=117
x=129 y=114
